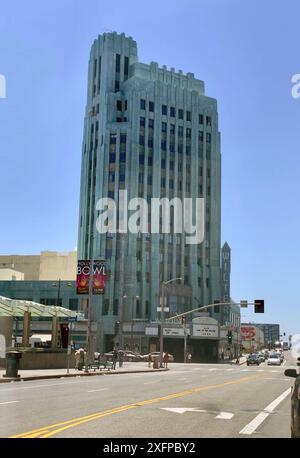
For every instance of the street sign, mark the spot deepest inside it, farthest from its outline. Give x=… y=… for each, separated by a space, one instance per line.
x=166 y=309
x=72 y=319
x=244 y=304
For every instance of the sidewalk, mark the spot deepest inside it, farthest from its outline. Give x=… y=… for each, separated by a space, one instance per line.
x=40 y=374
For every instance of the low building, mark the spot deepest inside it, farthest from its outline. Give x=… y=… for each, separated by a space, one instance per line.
x=48 y=265
x=271 y=333
x=10 y=274
x=252 y=337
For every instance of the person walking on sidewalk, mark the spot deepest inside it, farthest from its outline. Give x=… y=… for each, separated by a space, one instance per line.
x=114 y=358
x=166 y=359
x=149 y=360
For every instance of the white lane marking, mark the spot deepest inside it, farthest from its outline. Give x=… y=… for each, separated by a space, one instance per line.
x=279 y=379
x=260 y=418
x=8 y=402
x=181 y=410
x=100 y=389
x=225 y=416
x=213 y=369
x=245 y=370
x=284 y=362
x=228 y=370
x=18 y=387
x=275 y=371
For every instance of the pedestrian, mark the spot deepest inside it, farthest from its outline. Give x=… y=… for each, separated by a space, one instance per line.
x=114 y=358
x=121 y=358
x=149 y=360
x=79 y=359
x=189 y=357
x=166 y=359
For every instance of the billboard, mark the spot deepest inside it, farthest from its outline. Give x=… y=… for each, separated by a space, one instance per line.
x=248 y=332
x=83 y=276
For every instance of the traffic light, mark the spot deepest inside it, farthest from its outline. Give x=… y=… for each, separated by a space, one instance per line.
x=229 y=337
x=259 y=306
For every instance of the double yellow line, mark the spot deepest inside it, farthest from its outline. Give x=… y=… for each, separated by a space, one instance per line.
x=57 y=428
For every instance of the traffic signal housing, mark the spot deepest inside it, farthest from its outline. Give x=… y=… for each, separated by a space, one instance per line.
x=229 y=337
x=259 y=306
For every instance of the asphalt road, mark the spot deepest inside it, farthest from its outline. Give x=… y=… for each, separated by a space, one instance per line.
x=190 y=400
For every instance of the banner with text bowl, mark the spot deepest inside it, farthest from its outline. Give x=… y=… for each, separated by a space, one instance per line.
x=99 y=277
x=83 y=276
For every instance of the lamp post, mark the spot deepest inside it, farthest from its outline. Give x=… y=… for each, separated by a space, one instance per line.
x=132 y=314
x=161 y=345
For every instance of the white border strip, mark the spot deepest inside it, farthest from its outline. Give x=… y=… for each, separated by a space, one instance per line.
x=257 y=421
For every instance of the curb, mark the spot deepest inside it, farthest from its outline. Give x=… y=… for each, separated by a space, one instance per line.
x=89 y=374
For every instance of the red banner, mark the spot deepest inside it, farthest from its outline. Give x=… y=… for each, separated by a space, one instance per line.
x=83 y=277
x=99 y=277
x=248 y=332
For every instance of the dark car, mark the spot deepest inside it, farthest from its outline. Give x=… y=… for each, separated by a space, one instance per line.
x=295 y=401
x=253 y=360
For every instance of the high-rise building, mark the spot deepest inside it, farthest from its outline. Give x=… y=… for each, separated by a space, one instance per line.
x=153 y=132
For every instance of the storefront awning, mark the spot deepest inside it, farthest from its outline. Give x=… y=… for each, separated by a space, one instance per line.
x=17 y=308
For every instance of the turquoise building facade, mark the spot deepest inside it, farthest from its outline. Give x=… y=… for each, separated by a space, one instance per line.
x=153 y=132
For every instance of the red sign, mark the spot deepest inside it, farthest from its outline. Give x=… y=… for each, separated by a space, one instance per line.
x=99 y=277
x=83 y=277
x=248 y=332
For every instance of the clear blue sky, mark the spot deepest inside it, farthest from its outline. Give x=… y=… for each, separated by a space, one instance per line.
x=246 y=51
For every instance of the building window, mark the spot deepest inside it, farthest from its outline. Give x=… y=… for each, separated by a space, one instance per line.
x=180 y=113
x=188 y=116
x=143 y=104
x=111 y=177
x=208 y=137
x=142 y=122
x=73 y=304
x=208 y=120
x=180 y=131
x=142 y=140
x=117 y=86
x=147 y=308
x=172 y=112
x=113 y=139
x=150 y=161
x=123 y=157
x=141 y=159
x=207 y=283
x=122 y=177
x=172 y=129
x=164 y=127
x=149 y=181
x=150 y=142
x=200 y=119
x=200 y=136
x=164 y=110
x=119 y=105
x=151 y=123
x=164 y=145
x=118 y=62
x=126 y=67
x=123 y=138
x=138 y=277
x=188 y=132
x=163 y=163
x=112 y=158
x=151 y=106
x=111 y=194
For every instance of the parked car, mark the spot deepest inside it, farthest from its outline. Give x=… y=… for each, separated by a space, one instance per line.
x=128 y=356
x=295 y=401
x=274 y=359
x=253 y=360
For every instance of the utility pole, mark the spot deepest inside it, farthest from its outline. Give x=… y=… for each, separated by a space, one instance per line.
x=161 y=343
x=88 y=334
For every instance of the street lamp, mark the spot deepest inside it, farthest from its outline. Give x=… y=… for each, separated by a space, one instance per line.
x=132 y=314
x=164 y=283
x=58 y=285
